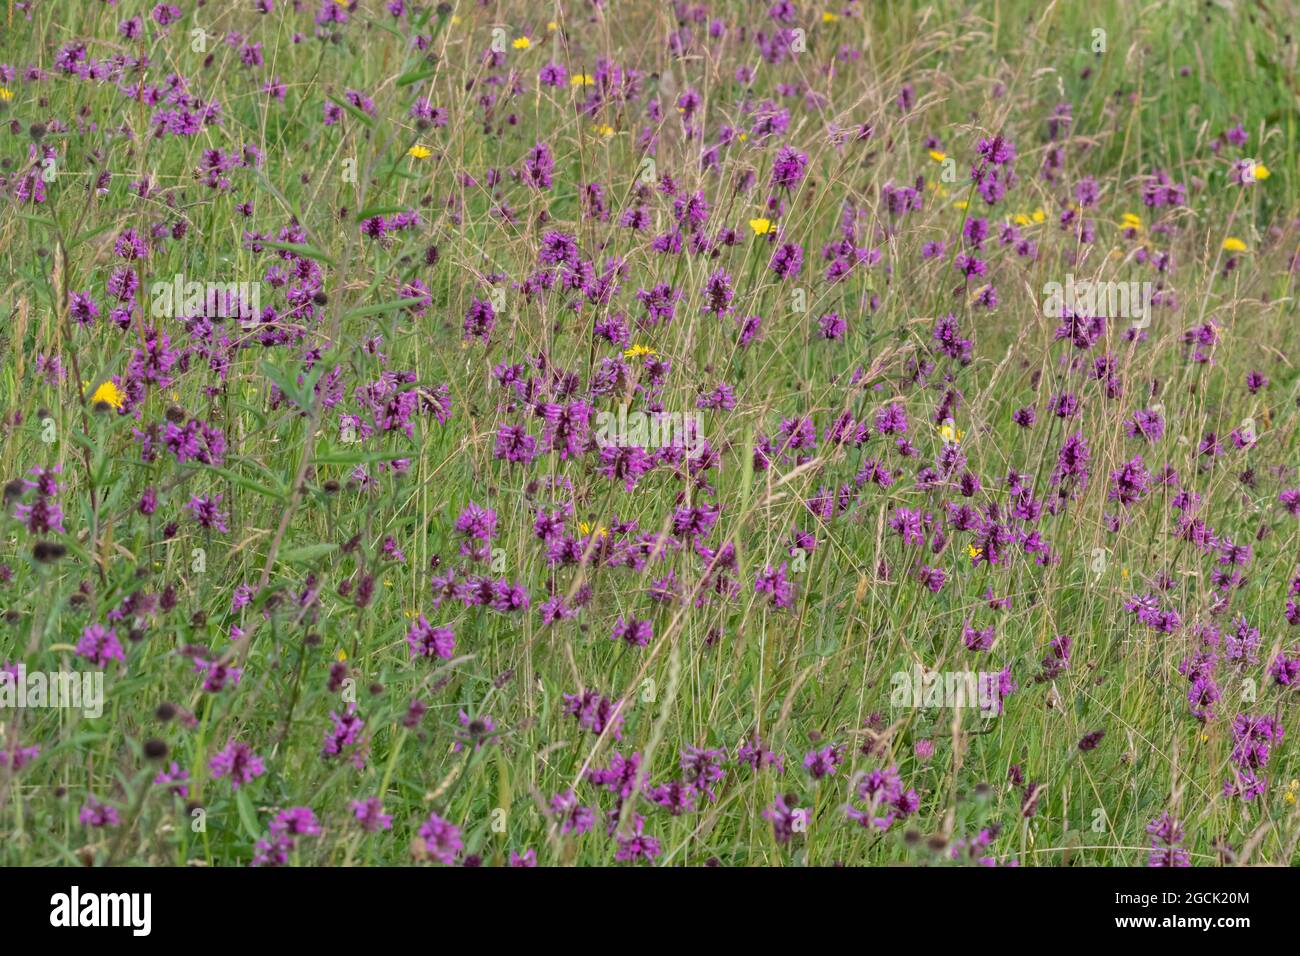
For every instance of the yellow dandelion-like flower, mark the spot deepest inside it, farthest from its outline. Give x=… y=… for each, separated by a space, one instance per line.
x=585 y=528
x=1292 y=789
x=973 y=551
x=961 y=204
x=1039 y=215
x=1020 y=219
x=455 y=21
x=1261 y=171
x=552 y=26
x=6 y=94
x=110 y=394
x=341 y=655
x=938 y=155
x=522 y=43
x=761 y=227
x=1233 y=244
x=419 y=152
x=637 y=350
x=603 y=130
x=582 y=79
x=1131 y=221
x=743 y=137
x=829 y=17
x=1123 y=572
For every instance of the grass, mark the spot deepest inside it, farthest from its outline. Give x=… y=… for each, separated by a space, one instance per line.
x=309 y=511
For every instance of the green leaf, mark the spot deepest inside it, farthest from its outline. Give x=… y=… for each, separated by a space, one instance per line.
x=247 y=815
x=311 y=252
x=307 y=553
x=358 y=114
x=249 y=484
x=415 y=76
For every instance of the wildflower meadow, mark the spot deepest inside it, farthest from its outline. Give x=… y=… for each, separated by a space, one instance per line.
x=631 y=433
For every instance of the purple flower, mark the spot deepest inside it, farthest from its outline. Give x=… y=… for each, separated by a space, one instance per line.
x=786 y=819
x=425 y=640
x=441 y=840
x=539 y=166
x=788 y=168
x=173 y=778
x=295 y=821
x=369 y=813
x=1166 y=842
x=637 y=846
x=886 y=801
x=754 y=754
x=96 y=814
x=206 y=513
x=632 y=632
x=82 y=308
x=480 y=320
x=99 y=645
x=787 y=260
x=824 y=762
x=776 y=585
x=595 y=713
x=238 y=762
x=574 y=818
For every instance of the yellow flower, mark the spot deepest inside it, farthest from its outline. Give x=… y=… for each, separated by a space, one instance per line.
x=419 y=152
x=1291 y=790
x=581 y=79
x=603 y=130
x=1131 y=221
x=961 y=204
x=552 y=26
x=973 y=551
x=744 y=136
x=455 y=21
x=6 y=94
x=1039 y=215
x=586 y=529
x=110 y=394
x=938 y=155
x=637 y=350
x=1020 y=219
x=950 y=434
x=1233 y=244
x=522 y=43
x=829 y=17
x=761 y=227
x=341 y=655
